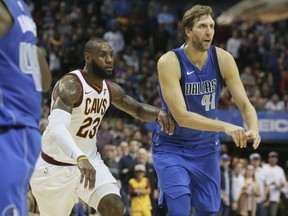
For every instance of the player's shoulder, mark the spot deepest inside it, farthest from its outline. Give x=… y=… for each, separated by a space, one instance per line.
x=168 y=61
x=116 y=90
x=222 y=54
x=70 y=80
x=68 y=86
x=113 y=86
x=167 y=57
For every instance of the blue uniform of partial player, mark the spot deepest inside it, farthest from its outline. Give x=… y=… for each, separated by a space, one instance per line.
x=20 y=109
x=188 y=161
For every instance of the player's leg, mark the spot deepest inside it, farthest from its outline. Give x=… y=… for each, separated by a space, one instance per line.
x=173 y=182
x=54 y=188
x=105 y=198
x=19 y=148
x=205 y=185
x=179 y=206
x=110 y=204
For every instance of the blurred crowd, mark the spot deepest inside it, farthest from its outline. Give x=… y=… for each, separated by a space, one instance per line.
x=139 y=33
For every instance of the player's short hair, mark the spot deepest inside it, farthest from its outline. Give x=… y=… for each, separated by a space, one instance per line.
x=193 y=14
x=90 y=45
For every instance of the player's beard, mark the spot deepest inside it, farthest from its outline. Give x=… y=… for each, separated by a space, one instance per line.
x=199 y=45
x=100 y=72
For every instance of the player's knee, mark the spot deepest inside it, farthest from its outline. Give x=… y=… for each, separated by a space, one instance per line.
x=179 y=206
x=111 y=204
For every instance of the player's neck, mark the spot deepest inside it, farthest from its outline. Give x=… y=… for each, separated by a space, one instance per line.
x=92 y=79
x=195 y=56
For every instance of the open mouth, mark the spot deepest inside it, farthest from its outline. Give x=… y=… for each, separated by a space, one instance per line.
x=109 y=68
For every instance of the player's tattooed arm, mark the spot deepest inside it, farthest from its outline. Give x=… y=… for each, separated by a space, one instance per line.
x=67 y=92
x=142 y=111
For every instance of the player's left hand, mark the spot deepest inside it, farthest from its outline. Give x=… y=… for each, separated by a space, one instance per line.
x=252 y=134
x=165 y=122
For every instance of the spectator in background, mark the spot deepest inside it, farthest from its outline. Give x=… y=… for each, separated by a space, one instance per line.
x=233 y=45
x=126 y=164
x=275 y=104
x=250 y=191
x=166 y=18
x=110 y=159
x=139 y=41
x=161 y=39
x=117 y=131
x=114 y=37
x=237 y=184
x=104 y=136
x=260 y=176
x=139 y=190
x=123 y=149
x=248 y=81
x=150 y=24
x=226 y=185
x=143 y=158
x=257 y=100
x=266 y=91
x=275 y=181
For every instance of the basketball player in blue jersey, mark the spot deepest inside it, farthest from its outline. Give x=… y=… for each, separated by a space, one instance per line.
x=70 y=165
x=190 y=78
x=20 y=104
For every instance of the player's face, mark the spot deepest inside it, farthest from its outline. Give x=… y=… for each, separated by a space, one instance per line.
x=202 y=33
x=103 y=64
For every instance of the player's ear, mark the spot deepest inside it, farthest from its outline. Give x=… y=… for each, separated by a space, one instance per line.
x=188 y=31
x=87 y=57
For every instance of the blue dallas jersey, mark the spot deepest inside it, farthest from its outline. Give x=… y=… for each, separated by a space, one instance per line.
x=201 y=90
x=20 y=78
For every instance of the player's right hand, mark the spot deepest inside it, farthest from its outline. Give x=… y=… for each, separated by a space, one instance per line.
x=165 y=122
x=88 y=173
x=238 y=135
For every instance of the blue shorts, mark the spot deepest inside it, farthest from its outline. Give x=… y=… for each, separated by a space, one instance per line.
x=180 y=173
x=19 y=149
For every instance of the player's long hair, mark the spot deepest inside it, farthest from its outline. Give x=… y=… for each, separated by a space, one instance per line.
x=193 y=14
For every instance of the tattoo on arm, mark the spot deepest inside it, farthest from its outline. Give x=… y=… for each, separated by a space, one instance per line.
x=66 y=93
x=129 y=105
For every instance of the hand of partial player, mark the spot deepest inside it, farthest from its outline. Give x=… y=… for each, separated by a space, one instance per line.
x=87 y=171
x=238 y=135
x=252 y=134
x=165 y=122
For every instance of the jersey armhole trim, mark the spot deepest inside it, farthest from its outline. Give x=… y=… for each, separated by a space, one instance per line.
x=181 y=67
x=217 y=67
x=109 y=90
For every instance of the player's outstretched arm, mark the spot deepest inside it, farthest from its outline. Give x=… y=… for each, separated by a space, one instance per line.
x=66 y=93
x=138 y=110
x=231 y=76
